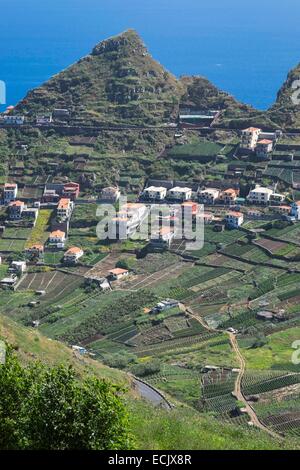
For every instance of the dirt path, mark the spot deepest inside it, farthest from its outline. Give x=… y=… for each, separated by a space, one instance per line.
x=238 y=383
x=238 y=389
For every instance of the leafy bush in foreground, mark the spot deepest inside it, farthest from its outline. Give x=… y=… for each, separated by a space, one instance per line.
x=47 y=408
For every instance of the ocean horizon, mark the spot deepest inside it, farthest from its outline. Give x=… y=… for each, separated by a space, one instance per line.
x=246 y=55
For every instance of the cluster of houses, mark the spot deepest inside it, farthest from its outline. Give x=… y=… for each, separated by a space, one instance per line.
x=7 y=118
x=210 y=195
x=254 y=140
x=18 y=210
x=53 y=192
x=60 y=195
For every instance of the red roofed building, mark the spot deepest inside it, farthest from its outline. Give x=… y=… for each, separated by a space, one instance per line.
x=57 y=239
x=190 y=206
x=71 y=191
x=118 y=273
x=229 y=195
x=35 y=250
x=73 y=254
x=15 y=209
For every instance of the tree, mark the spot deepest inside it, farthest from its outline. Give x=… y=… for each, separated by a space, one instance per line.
x=45 y=407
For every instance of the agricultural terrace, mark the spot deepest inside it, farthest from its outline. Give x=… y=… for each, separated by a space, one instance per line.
x=40 y=232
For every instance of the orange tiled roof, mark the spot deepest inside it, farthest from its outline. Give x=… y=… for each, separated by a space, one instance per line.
x=64 y=203
x=57 y=234
x=230 y=191
x=252 y=129
x=17 y=203
x=36 y=247
x=235 y=214
x=265 y=142
x=165 y=230
x=74 y=250
x=117 y=271
x=189 y=203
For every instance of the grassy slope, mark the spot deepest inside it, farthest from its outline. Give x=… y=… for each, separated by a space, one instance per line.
x=31 y=345
x=276 y=354
x=153 y=428
x=118 y=82
x=184 y=429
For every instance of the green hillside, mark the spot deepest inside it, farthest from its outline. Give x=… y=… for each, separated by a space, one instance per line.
x=153 y=428
x=118 y=82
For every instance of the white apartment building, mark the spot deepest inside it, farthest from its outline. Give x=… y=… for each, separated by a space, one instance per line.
x=156 y=193
x=10 y=192
x=250 y=138
x=208 y=195
x=234 y=219
x=180 y=194
x=64 y=209
x=260 y=195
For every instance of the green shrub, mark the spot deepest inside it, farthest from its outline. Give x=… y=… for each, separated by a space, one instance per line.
x=48 y=408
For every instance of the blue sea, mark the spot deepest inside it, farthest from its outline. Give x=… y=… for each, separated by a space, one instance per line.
x=245 y=48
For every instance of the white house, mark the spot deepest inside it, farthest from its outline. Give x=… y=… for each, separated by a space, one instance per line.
x=260 y=195
x=44 y=119
x=234 y=219
x=118 y=273
x=110 y=194
x=208 y=195
x=264 y=148
x=295 y=210
x=10 y=192
x=12 y=120
x=73 y=254
x=18 y=267
x=16 y=209
x=180 y=194
x=57 y=238
x=250 y=138
x=155 y=193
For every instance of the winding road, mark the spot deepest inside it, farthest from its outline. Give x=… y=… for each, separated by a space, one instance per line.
x=151 y=394
x=238 y=383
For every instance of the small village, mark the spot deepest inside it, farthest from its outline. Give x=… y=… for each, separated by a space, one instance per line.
x=222 y=207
